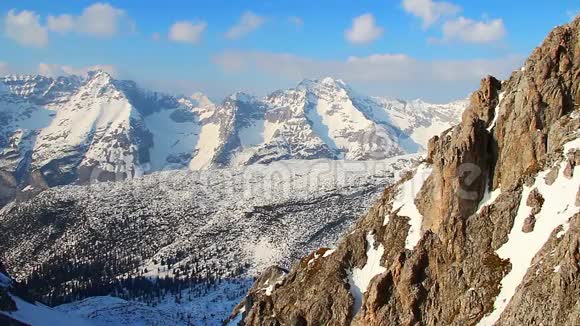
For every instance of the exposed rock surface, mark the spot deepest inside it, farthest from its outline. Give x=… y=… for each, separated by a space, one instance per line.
x=476 y=262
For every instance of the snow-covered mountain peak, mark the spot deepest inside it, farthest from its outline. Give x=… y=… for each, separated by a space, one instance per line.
x=99 y=74
x=327 y=83
x=321 y=118
x=99 y=79
x=241 y=97
x=201 y=100
x=417 y=101
x=331 y=82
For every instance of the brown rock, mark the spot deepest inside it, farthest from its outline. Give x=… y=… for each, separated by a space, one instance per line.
x=551 y=177
x=539 y=97
x=453 y=275
x=457 y=182
x=484 y=101
x=535 y=201
x=431 y=147
x=575 y=157
x=529 y=224
x=569 y=169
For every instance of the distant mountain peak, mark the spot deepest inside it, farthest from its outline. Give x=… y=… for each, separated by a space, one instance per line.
x=241 y=97
x=98 y=122
x=323 y=82
x=100 y=75
x=201 y=99
x=332 y=81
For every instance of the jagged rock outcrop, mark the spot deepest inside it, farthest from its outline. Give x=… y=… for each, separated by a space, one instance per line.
x=485 y=231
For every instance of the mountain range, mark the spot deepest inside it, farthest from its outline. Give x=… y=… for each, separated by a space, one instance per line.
x=314 y=216
x=74 y=130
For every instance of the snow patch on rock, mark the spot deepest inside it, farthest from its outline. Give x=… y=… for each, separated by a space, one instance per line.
x=360 y=278
x=521 y=247
x=404 y=202
x=489 y=197
x=496 y=114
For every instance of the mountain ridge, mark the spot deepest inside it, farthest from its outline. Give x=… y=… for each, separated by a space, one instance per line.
x=67 y=130
x=485 y=231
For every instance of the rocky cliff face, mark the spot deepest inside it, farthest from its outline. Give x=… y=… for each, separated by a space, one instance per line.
x=485 y=231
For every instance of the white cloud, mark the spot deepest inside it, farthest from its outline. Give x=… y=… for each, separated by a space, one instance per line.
x=55 y=70
x=24 y=28
x=376 y=67
x=363 y=30
x=430 y=11
x=99 y=20
x=471 y=31
x=61 y=24
x=248 y=23
x=232 y=61
x=458 y=28
x=399 y=74
x=186 y=32
x=296 y=21
x=104 y=20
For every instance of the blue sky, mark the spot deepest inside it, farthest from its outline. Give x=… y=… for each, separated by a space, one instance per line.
x=436 y=50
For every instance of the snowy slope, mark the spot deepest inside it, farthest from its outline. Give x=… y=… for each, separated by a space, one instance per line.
x=40 y=315
x=112 y=311
x=73 y=129
x=208 y=309
x=33 y=314
x=417 y=120
x=224 y=225
x=327 y=119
